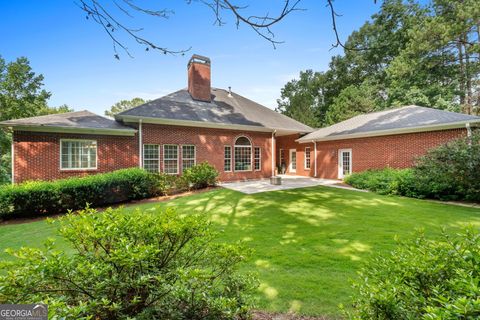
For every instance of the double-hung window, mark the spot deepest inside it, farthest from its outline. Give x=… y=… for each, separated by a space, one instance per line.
x=257 y=158
x=151 y=157
x=78 y=154
x=170 y=158
x=307 y=158
x=243 y=154
x=188 y=156
x=227 y=159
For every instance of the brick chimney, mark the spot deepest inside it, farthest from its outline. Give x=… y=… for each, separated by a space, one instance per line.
x=199 y=78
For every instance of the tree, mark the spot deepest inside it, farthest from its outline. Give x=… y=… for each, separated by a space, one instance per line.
x=124 y=105
x=352 y=101
x=21 y=95
x=302 y=99
x=109 y=17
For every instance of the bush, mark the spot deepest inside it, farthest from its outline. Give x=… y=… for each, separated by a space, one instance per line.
x=54 y=197
x=422 y=279
x=159 y=265
x=384 y=181
x=451 y=171
x=201 y=175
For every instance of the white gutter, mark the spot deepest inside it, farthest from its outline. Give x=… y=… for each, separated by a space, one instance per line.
x=315 y=158
x=204 y=124
x=52 y=129
x=437 y=127
x=140 y=155
x=273 y=152
x=13 y=161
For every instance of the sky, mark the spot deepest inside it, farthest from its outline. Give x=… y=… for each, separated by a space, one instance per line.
x=77 y=59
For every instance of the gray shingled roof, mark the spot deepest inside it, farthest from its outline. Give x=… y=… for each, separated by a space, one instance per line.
x=70 y=120
x=390 y=120
x=224 y=109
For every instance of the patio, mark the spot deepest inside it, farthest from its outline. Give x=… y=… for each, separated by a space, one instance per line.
x=288 y=182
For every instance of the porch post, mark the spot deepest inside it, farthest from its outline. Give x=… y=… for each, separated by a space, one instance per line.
x=273 y=152
x=13 y=159
x=140 y=155
x=315 y=158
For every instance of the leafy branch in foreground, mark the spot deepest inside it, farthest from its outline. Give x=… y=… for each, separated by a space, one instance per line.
x=155 y=265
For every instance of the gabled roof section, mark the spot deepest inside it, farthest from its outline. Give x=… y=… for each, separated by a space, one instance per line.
x=225 y=110
x=394 y=121
x=70 y=122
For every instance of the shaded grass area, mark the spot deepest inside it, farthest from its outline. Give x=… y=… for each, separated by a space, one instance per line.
x=308 y=242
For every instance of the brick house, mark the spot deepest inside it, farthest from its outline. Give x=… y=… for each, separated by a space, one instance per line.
x=241 y=138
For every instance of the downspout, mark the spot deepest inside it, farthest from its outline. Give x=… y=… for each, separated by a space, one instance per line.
x=315 y=158
x=469 y=133
x=273 y=152
x=140 y=156
x=13 y=160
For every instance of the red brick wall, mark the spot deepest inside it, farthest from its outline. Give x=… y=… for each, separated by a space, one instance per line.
x=210 y=146
x=396 y=151
x=37 y=155
x=288 y=142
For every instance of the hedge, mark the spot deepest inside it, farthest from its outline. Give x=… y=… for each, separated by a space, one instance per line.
x=54 y=197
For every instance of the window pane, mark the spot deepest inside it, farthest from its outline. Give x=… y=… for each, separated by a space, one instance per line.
x=307 y=158
x=151 y=157
x=243 y=158
x=170 y=159
x=227 y=162
x=81 y=154
x=242 y=141
x=257 y=157
x=188 y=157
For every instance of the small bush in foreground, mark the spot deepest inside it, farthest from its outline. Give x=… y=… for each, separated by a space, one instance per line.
x=54 y=197
x=383 y=181
x=158 y=265
x=201 y=175
x=422 y=279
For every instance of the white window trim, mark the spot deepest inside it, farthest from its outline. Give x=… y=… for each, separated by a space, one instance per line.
x=231 y=158
x=259 y=159
x=305 y=158
x=340 y=160
x=178 y=158
x=251 y=154
x=143 y=154
x=194 y=154
x=79 y=169
x=281 y=156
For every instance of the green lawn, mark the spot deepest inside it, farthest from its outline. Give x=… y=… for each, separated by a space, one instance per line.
x=308 y=242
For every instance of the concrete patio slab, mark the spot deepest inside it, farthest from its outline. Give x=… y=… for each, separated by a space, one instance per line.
x=288 y=182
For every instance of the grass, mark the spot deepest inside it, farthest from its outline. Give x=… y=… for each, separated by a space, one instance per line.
x=308 y=242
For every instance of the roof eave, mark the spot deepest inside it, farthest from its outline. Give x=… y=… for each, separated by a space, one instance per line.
x=438 y=127
x=57 y=129
x=201 y=124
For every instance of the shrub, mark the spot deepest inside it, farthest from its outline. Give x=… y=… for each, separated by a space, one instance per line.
x=53 y=197
x=422 y=279
x=159 y=265
x=383 y=181
x=201 y=175
x=451 y=171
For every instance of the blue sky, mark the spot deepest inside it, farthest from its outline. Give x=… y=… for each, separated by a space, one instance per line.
x=76 y=56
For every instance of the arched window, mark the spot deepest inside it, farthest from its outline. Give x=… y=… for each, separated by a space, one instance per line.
x=243 y=154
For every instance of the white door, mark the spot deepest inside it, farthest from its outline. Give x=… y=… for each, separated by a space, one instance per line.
x=293 y=161
x=344 y=162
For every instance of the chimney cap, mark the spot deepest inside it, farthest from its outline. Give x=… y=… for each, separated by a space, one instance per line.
x=196 y=58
